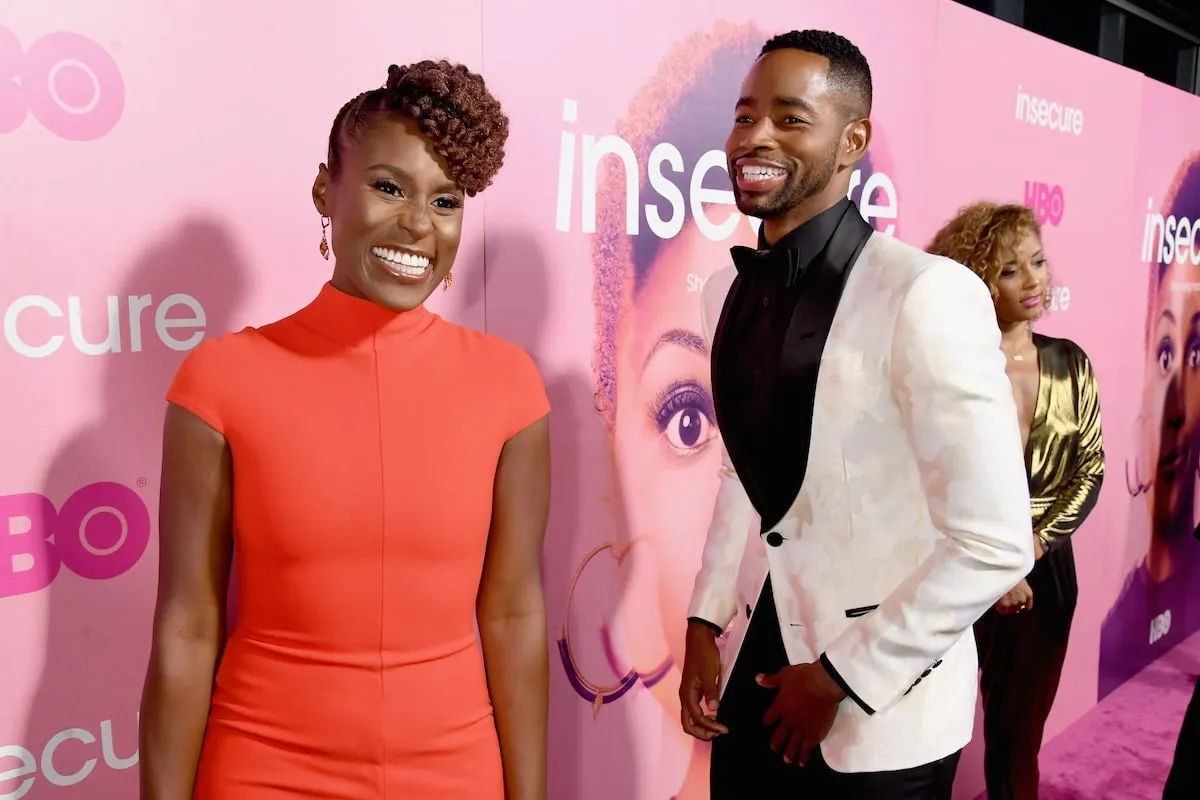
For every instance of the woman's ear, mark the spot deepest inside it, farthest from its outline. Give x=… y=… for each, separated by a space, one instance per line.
x=321 y=193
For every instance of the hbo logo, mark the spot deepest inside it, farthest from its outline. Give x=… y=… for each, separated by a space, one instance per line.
x=69 y=83
x=1046 y=202
x=99 y=533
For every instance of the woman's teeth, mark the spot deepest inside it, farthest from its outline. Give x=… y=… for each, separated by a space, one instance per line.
x=403 y=263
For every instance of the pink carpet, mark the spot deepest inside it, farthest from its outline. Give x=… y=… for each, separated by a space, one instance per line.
x=1122 y=748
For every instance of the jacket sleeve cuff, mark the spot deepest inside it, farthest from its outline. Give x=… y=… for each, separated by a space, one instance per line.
x=713 y=608
x=716 y=628
x=845 y=687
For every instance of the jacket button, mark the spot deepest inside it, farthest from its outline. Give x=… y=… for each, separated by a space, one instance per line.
x=774 y=539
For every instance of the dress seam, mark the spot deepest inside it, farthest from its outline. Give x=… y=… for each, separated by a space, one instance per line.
x=383 y=755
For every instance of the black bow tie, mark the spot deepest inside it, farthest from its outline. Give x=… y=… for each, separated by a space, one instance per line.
x=747 y=260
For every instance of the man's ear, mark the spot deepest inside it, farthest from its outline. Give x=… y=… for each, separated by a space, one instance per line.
x=855 y=141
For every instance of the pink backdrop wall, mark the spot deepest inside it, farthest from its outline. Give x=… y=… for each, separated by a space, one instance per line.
x=160 y=160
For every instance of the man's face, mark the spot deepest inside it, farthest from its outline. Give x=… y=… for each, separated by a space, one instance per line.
x=789 y=136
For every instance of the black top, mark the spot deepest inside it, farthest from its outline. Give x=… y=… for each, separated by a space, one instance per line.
x=762 y=409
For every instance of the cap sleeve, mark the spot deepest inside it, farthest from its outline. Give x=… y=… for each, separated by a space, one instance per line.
x=197 y=386
x=528 y=392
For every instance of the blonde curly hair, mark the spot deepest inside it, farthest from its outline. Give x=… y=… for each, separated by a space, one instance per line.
x=981 y=235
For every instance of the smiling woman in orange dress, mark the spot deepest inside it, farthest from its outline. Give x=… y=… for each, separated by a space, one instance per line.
x=384 y=477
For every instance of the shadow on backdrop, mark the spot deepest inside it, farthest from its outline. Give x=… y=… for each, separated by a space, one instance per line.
x=98 y=631
x=575 y=436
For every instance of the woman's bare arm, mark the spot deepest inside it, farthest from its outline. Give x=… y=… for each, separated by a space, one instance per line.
x=195 y=546
x=512 y=611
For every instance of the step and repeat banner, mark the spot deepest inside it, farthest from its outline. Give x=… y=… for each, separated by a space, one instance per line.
x=157 y=167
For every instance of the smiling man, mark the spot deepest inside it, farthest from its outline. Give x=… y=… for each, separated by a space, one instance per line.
x=870 y=428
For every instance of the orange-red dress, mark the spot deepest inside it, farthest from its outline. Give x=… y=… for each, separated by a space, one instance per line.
x=365 y=445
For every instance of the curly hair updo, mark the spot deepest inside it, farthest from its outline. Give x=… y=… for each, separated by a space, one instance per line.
x=453 y=110
x=980 y=237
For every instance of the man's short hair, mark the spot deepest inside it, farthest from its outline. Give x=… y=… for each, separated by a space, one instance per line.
x=849 y=71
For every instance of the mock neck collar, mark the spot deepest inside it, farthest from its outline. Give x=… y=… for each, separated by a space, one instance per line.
x=357 y=322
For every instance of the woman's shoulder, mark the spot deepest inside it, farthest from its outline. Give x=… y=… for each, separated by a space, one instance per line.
x=1065 y=357
x=504 y=369
x=227 y=351
x=208 y=379
x=487 y=352
x=1068 y=347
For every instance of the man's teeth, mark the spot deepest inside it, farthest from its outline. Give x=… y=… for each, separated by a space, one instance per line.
x=404 y=263
x=762 y=173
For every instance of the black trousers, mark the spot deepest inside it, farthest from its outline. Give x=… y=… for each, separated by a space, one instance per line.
x=1021 y=660
x=744 y=767
x=1184 y=781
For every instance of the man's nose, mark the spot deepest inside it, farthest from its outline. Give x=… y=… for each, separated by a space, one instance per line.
x=757 y=136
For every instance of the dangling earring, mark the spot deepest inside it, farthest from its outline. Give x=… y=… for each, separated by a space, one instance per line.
x=324 y=241
x=447 y=281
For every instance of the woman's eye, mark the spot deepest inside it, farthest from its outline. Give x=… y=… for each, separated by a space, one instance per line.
x=1166 y=355
x=684 y=417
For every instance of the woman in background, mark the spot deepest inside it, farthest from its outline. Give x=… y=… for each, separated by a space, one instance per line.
x=384 y=476
x=1023 y=640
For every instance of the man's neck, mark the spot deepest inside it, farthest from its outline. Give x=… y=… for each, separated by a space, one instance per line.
x=779 y=226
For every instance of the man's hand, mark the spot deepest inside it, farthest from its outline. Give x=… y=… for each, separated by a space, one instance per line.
x=701 y=672
x=1018 y=600
x=805 y=708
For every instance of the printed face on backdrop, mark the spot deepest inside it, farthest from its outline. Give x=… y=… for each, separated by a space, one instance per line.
x=395 y=215
x=789 y=134
x=653 y=367
x=1023 y=281
x=665 y=439
x=1173 y=357
x=1171 y=403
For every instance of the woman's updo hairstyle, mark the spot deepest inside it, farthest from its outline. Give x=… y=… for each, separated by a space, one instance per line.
x=453 y=109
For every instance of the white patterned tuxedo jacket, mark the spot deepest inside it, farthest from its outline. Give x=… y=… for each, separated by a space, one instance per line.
x=913 y=518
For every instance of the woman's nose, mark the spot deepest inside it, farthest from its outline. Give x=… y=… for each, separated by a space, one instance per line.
x=415 y=220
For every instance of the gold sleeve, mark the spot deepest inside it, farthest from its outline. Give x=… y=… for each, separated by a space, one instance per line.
x=1081 y=487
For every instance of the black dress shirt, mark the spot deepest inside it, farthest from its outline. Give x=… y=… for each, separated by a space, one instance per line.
x=759 y=407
